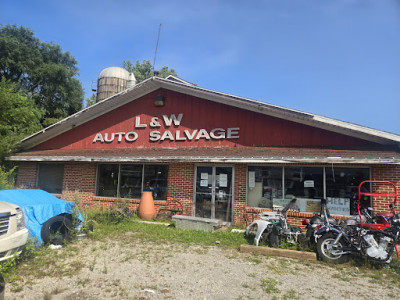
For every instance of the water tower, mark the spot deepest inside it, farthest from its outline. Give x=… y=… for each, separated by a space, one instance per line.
x=112 y=81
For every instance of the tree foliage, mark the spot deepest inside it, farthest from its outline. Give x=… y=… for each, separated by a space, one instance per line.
x=7 y=178
x=19 y=117
x=144 y=70
x=41 y=69
x=91 y=100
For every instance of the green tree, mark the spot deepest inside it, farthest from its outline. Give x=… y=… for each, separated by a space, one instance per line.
x=91 y=100
x=144 y=70
x=19 y=117
x=41 y=69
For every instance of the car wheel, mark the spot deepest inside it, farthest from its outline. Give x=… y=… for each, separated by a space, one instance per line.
x=56 y=230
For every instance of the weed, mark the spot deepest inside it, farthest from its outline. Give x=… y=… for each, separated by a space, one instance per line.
x=245 y=285
x=202 y=251
x=16 y=287
x=92 y=265
x=83 y=281
x=283 y=263
x=116 y=282
x=291 y=294
x=269 y=285
x=105 y=270
x=254 y=259
x=341 y=276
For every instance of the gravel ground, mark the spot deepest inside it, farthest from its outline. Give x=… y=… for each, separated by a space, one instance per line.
x=139 y=269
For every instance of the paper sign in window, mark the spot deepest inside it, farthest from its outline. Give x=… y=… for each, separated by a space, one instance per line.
x=309 y=183
x=223 y=180
x=204 y=182
x=252 y=179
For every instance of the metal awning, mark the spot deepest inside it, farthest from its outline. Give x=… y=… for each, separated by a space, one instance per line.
x=270 y=155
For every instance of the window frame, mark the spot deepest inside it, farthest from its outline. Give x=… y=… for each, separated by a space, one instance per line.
x=119 y=179
x=284 y=168
x=52 y=164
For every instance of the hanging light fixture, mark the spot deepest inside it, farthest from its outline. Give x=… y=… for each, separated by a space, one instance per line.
x=159 y=101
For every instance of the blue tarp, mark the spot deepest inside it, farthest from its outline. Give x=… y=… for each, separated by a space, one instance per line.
x=38 y=206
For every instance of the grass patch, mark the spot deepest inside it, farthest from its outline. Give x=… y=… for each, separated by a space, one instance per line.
x=159 y=233
x=270 y=285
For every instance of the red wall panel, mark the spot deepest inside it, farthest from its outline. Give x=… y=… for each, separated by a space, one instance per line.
x=255 y=129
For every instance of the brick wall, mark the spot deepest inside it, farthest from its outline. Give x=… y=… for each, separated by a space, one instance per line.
x=180 y=185
x=386 y=173
x=79 y=178
x=26 y=177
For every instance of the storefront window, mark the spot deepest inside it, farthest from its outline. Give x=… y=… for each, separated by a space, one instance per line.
x=156 y=180
x=107 y=181
x=50 y=177
x=304 y=182
x=307 y=185
x=264 y=186
x=342 y=189
x=129 y=180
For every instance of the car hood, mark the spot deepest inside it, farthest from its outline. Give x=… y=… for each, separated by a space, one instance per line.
x=6 y=207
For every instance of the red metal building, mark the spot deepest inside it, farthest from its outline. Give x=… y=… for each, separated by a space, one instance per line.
x=218 y=155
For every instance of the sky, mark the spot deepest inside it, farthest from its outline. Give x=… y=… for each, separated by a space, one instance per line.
x=339 y=58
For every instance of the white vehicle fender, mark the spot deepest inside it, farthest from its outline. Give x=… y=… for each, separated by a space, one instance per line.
x=261 y=227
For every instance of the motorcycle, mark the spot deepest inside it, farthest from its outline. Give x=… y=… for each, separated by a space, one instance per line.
x=318 y=221
x=273 y=228
x=374 y=238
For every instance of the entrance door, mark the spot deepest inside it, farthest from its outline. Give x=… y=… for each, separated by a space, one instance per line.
x=213 y=195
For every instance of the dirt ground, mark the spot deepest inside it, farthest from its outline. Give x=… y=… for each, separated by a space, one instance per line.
x=136 y=269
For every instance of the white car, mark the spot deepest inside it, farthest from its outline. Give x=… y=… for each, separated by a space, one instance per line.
x=13 y=233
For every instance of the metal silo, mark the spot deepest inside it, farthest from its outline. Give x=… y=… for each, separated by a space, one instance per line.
x=112 y=81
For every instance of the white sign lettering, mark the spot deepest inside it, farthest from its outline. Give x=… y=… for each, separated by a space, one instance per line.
x=118 y=136
x=340 y=206
x=168 y=121
x=137 y=123
x=167 y=135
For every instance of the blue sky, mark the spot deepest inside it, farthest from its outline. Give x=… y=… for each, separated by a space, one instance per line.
x=336 y=58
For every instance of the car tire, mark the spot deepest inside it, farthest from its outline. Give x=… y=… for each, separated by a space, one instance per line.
x=57 y=230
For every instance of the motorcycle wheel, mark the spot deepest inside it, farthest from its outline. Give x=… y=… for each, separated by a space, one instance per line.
x=325 y=254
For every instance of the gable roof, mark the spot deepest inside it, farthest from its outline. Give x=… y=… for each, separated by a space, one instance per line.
x=181 y=86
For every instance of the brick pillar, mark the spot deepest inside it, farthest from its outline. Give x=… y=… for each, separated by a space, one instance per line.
x=79 y=181
x=26 y=175
x=180 y=185
x=239 y=207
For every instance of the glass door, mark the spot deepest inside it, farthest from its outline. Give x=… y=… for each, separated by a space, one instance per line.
x=213 y=195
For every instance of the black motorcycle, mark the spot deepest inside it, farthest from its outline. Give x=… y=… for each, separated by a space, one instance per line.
x=374 y=238
x=318 y=221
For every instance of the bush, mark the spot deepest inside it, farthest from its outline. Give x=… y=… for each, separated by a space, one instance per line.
x=7 y=178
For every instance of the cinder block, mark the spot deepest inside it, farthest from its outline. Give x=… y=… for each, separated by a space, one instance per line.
x=195 y=223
